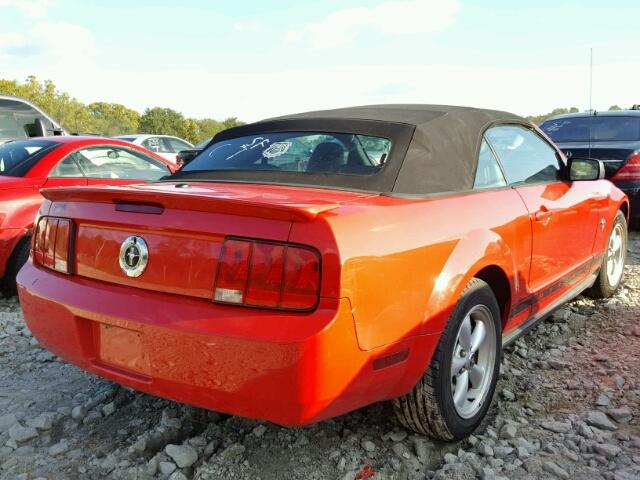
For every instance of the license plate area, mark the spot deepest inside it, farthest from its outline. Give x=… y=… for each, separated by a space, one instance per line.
x=123 y=348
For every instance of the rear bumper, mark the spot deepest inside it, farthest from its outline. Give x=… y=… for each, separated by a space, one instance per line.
x=9 y=238
x=204 y=354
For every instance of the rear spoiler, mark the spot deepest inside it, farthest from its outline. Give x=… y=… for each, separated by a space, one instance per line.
x=154 y=201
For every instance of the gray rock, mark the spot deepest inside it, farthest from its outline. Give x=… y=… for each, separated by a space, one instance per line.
x=397 y=436
x=21 y=434
x=259 y=431
x=508 y=395
x=608 y=450
x=599 y=420
x=485 y=449
x=108 y=409
x=421 y=447
x=620 y=415
x=183 y=455
x=501 y=452
x=78 y=412
x=556 y=427
x=233 y=451
x=166 y=468
x=59 y=448
x=603 y=400
x=554 y=469
x=177 y=475
x=44 y=421
x=7 y=421
x=509 y=431
x=368 y=445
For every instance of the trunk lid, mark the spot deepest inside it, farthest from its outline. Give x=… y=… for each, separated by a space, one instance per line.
x=183 y=226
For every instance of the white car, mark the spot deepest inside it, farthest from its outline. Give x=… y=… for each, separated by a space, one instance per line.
x=164 y=145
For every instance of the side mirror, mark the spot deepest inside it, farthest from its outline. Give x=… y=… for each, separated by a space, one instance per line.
x=585 y=169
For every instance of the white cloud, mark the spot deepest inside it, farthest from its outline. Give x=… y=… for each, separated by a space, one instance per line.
x=34 y=8
x=49 y=43
x=394 y=17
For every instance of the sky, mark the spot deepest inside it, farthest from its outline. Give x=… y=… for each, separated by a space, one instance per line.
x=254 y=59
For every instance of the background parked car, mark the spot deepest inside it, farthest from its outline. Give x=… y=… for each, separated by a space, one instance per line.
x=20 y=119
x=26 y=166
x=613 y=137
x=164 y=145
x=185 y=156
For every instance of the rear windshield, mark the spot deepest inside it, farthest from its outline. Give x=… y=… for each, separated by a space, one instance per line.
x=307 y=152
x=16 y=158
x=593 y=129
x=126 y=139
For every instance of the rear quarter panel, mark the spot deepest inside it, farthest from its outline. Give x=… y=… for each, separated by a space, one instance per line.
x=404 y=263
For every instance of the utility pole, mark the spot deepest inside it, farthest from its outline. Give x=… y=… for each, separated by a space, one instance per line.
x=591 y=79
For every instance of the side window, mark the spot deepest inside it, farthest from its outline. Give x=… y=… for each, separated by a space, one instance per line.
x=177 y=145
x=111 y=162
x=488 y=174
x=156 y=144
x=526 y=158
x=68 y=167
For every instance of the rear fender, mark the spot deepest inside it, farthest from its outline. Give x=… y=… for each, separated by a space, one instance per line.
x=477 y=250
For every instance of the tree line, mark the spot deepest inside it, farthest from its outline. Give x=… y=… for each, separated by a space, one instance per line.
x=112 y=119
x=538 y=119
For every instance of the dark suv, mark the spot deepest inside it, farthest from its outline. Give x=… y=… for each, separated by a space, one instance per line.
x=613 y=137
x=20 y=119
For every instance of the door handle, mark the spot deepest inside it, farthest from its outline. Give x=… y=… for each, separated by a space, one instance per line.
x=542 y=215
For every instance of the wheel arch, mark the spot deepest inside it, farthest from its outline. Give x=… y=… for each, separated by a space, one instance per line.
x=481 y=254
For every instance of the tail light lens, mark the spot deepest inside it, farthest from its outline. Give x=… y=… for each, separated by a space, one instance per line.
x=630 y=171
x=267 y=274
x=52 y=242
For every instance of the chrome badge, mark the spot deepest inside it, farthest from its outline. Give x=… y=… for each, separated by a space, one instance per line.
x=134 y=256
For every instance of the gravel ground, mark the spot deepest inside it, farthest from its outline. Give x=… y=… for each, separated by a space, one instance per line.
x=568 y=406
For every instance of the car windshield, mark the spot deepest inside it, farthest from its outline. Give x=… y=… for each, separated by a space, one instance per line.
x=593 y=129
x=15 y=156
x=203 y=143
x=307 y=152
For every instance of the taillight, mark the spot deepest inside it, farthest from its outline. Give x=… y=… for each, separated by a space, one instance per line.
x=267 y=274
x=51 y=243
x=630 y=171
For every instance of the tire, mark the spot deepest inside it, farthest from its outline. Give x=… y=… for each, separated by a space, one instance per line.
x=606 y=284
x=430 y=408
x=18 y=258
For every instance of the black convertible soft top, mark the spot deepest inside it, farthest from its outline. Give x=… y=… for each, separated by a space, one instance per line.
x=434 y=147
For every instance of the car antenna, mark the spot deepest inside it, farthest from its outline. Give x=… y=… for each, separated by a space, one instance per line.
x=591 y=94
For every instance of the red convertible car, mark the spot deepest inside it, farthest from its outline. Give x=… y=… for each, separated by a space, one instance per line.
x=305 y=266
x=26 y=166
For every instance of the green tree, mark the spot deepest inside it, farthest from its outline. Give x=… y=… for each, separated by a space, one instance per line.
x=538 y=119
x=162 y=121
x=114 y=119
x=111 y=118
x=614 y=107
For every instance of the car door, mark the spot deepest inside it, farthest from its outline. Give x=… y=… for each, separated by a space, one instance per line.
x=563 y=220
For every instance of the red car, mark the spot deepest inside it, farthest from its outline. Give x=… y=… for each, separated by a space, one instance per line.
x=306 y=266
x=26 y=166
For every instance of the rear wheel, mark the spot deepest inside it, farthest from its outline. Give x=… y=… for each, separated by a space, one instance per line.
x=17 y=259
x=453 y=396
x=612 y=268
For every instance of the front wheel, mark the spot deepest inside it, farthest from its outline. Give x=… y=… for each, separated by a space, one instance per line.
x=612 y=268
x=453 y=396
